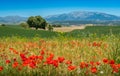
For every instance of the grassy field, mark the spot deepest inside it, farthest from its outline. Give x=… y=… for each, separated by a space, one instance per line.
x=93 y=51
x=9 y=31
x=89 y=31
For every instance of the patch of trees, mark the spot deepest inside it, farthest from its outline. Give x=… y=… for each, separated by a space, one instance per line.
x=56 y=25
x=3 y=25
x=37 y=22
x=24 y=25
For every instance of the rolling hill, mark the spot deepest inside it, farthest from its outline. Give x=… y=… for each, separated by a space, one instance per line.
x=84 y=15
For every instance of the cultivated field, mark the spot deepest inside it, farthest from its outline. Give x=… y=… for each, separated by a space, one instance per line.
x=93 y=51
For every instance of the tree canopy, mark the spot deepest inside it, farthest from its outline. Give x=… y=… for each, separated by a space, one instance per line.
x=37 y=22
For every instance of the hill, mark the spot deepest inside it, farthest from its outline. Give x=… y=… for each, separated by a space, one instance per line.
x=82 y=15
x=72 y=18
x=12 y=19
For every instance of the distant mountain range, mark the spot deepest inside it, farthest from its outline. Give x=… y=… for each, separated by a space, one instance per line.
x=12 y=19
x=84 y=15
x=78 y=17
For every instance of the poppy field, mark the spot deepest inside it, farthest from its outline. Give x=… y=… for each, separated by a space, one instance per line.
x=60 y=56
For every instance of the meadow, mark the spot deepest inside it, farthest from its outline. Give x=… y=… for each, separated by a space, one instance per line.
x=93 y=51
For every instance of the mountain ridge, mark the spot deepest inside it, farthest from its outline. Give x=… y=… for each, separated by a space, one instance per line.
x=81 y=15
x=72 y=16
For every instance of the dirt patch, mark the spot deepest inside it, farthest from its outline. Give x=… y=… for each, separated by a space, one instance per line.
x=68 y=29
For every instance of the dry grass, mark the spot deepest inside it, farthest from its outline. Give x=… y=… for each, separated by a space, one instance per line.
x=68 y=29
x=71 y=28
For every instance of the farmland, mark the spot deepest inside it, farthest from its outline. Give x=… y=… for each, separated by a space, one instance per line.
x=96 y=31
x=93 y=51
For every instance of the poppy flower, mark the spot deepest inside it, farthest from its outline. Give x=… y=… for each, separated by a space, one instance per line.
x=105 y=60
x=98 y=63
x=94 y=70
x=111 y=62
x=15 y=64
x=68 y=62
x=115 y=71
x=1 y=68
x=70 y=68
x=7 y=61
x=83 y=65
x=55 y=63
x=61 y=59
x=42 y=52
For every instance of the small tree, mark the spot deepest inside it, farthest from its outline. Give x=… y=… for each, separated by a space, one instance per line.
x=36 y=22
x=24 y=25
x=3 y=25
x=50 y=28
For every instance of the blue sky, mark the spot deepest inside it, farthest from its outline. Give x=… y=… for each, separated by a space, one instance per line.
x=51 y=7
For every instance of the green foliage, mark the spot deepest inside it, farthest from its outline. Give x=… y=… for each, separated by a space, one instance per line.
x=3 y=25
x=55 y=25
x=10 y=31
x=88 y=32
x=50 y=28
x=37 y=22
x=24 y=25
x=96 y=31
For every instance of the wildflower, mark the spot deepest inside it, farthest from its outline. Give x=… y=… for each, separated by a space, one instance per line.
x=1 y=68
x=61 y=59
x=94 y=70
x=55 y=63
x=111 y=62
x=92 y=63
x=40 y=57
x=15 y=64
x=32 y=65
x=68 y=62
x=83 y=65
x=115 y=71
x=70 y=68
x=13 y=50
x=98 y=63
x=42 y=52
x=101 y=72
x=105 y=60
x=7 y=61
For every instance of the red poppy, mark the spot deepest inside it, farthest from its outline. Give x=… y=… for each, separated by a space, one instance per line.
x=7 y=61
x=111 y=62
x=32 y=65
x=40 y=57
x=61 y=59
x=68 y=62
x=42 y=52
x=1 y=68
x=98 y=63
x=105 y=60
x=55 y=63
x=70 y=68
x=83 y=65
x=115 y=71
x=92 y=63
x=94 y=70
x=15 y=64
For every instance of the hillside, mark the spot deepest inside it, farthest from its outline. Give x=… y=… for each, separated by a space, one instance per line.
x=12 y=19
x=82 y=15
x=72 y=18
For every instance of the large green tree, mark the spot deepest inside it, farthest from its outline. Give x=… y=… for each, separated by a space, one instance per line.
x=36 y=22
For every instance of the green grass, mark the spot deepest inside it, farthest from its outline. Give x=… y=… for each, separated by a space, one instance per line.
x=92 y=44
x=96 y=31
x=89 y=31
x=9 y=31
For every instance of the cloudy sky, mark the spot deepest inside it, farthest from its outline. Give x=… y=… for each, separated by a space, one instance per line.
x=50 y=7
